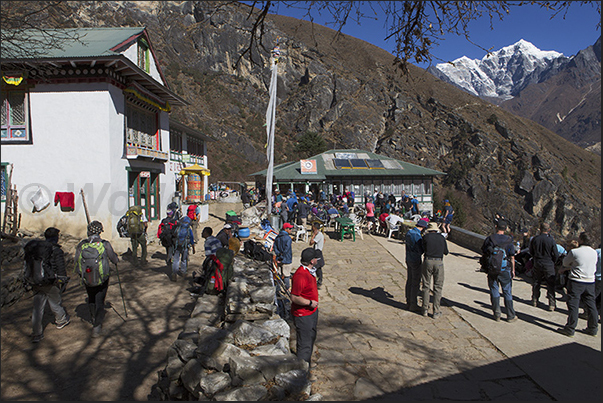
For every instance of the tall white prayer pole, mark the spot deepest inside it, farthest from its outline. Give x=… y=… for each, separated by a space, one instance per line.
x=270 y=124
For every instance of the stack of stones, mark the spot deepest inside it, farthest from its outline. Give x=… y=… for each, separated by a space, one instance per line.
x=235 y=347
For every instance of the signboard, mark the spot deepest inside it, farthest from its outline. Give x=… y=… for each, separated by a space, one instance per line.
x=308 y=167
x=145 y=174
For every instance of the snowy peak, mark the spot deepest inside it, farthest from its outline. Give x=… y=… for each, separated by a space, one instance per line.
x=500 y=74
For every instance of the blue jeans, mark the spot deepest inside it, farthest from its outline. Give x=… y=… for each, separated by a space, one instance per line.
x=505 y=281
x=180 y=261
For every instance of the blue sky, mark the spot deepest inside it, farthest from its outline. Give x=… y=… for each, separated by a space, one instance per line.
x=532 y=23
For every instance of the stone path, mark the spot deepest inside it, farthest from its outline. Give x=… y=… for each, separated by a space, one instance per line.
x=369 y=345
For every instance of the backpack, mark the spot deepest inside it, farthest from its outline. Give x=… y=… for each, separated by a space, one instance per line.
x=168 y=231
x=122 y=227
x=218 y=270
x=93 y=263
x=261 y=253
x=182 y=235
x=37 y=268
x=496 y=260
x=134 y=215
x=191 y=212
x=248 y=247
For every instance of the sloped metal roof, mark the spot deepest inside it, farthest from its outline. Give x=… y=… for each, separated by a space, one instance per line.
x=68 y=42
x=84 y=45
x=326 y=168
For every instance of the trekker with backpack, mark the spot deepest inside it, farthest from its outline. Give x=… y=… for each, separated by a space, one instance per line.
x=44 y=271
x=194 y=213
x=183 y=240
x=166 y=233
x=92 y=257
x=137 y=228
x=499 y=261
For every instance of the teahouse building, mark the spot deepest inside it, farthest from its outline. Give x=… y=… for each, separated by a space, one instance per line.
x=91 y=114
x=362 y=172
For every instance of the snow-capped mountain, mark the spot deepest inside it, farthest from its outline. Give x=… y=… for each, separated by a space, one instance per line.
x=501 y=74
x=562 y=94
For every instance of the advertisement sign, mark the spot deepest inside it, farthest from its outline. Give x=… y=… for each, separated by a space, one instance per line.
x=308 y=166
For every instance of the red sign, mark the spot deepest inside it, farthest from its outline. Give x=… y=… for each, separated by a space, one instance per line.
x=308 y=166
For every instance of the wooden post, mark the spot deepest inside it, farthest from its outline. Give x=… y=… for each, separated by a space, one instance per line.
x=85 y=206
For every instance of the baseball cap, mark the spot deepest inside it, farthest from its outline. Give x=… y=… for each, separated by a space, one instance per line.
x=287 y=225
x=422 y=223
x=308 y=254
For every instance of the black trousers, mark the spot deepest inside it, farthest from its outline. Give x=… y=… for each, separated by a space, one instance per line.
x=544 y=275
x=96 y=302
x=305 y=330
x=586 y=292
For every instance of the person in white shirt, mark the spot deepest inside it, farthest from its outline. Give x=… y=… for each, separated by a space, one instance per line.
x=318 y=242
x=581 y=262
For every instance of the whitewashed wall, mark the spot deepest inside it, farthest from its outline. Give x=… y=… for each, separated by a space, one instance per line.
x=78 y=143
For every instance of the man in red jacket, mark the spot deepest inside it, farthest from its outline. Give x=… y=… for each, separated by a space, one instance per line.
x=304 y=304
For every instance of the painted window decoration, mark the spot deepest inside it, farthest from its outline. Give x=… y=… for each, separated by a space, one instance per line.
x=144 y=55
x=3 y=181
x=14 y=117
x=141 y=130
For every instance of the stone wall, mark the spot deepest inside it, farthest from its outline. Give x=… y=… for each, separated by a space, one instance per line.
x=235 y=346
x=11 y=261
x=466 y=239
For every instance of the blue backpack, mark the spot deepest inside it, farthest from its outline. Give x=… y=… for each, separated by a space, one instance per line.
x=182 y=234
x=497 y=259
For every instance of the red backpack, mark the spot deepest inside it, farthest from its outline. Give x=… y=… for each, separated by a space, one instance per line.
x=191 y=213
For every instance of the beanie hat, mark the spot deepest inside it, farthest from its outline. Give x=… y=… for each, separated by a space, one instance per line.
x=95 y=228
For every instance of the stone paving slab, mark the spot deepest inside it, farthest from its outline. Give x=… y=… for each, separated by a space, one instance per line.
x=368 y=342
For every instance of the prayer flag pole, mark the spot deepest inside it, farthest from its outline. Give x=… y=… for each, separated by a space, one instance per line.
x=270 y=125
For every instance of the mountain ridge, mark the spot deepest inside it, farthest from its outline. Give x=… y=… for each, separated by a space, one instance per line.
x=352 y=94
x=544 y=86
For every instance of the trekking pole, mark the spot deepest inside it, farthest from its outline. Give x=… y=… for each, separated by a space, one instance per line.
x=279 y=280
x=121 y=291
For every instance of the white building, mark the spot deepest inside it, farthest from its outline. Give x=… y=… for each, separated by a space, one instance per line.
x=91 y=115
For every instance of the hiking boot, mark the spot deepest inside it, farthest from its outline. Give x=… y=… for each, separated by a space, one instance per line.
x=97 y=331
x=590 y=332
x=37 y=338
x=565 y=331
x=64 y=323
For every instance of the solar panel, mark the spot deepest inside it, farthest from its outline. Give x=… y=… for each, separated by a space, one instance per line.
x=358 y=163
x=375 y=164
x=342 y=163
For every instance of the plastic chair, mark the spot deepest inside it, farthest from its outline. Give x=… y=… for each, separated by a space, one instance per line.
x=391 y=228
x=301 y=232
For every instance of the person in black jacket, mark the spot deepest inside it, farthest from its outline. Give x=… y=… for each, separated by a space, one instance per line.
x=50 y=292
x=543 y=249
x=434 y=248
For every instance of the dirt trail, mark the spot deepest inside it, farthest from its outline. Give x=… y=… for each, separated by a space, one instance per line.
x=123 y=363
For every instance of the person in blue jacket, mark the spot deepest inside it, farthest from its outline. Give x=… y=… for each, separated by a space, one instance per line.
x=284 y=252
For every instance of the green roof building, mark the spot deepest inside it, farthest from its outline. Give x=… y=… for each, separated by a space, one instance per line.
x=362 y=172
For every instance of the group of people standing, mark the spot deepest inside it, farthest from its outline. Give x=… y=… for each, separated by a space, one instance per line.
x=425 y=248
x=582 y=264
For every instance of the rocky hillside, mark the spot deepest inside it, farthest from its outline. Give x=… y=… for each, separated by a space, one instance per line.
x=351 y=93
